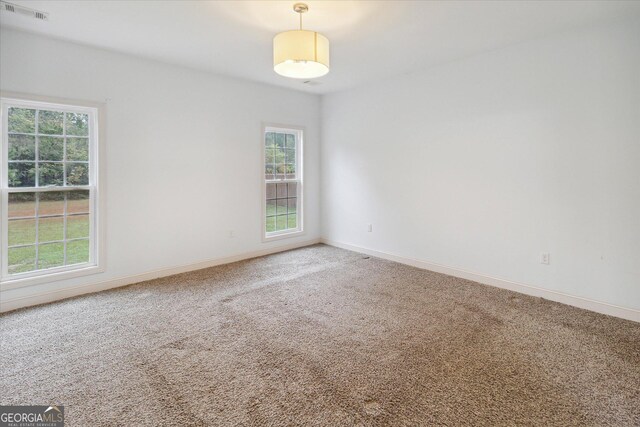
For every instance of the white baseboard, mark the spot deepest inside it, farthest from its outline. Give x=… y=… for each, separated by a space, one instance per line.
x=72 y=291
x=585 y=303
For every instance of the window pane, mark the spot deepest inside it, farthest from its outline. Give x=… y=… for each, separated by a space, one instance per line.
x=77 y=251
x=281 y=206
x=50 y=148
x=77 y=124
x=271 y=224
x=269 y=139
x=50 y=229
x=292 y=221
x=281 y=222
x=280 y=163
x=22 y=174
x=50 y=174
x=291 y=141
x=280 y=156
x=77 y=226
x=290 y=170
x=78 y=149
x=22 y=259
x=50 y=122
x=269 y=156
x=268 y=172
x=22 y=120
x=280 y=140
x=78 y=201
x=22 y=147
x=51 y=203
x=271 y=207
x=281 y=191
x=22 y=232
x=271 y=191
x=22 y=204
x=293 y=189
x=50 y=255
x=291 y=156
x=77 y=174
x=46 y=229
x=292 y=205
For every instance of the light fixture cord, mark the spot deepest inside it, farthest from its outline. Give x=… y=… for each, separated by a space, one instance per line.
x=300 y=20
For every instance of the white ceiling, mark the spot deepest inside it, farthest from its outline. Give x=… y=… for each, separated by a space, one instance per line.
x=370 y=40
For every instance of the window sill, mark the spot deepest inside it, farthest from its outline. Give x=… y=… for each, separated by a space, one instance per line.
x=282 y=235
x=21 y=282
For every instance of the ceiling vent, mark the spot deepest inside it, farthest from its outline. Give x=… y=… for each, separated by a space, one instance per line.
x=21 y=10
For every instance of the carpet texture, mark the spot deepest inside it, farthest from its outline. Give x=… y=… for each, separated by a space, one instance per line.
x=321 y=336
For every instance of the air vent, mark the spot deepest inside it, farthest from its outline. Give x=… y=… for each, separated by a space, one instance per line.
x=21 y=10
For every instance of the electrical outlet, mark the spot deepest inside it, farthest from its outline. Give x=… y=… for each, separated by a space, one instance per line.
x=369 y=228
x=232 y=234
x=544 y=258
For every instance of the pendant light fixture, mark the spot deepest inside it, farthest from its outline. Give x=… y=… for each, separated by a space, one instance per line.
x=301 y=54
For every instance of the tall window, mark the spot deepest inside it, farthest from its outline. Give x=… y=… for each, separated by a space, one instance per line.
x=282 y=182
x=48 y=185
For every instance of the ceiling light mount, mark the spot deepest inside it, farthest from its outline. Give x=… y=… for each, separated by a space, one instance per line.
x=301 y=54
x=300 y=8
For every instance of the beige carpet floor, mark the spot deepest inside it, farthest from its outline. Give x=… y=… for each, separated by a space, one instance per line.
x=321 y=336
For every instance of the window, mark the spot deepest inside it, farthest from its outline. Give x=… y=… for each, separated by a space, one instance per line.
x=282 y=200
x=49 y=188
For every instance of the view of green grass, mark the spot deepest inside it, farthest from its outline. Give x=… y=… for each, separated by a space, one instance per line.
x=50 y=255
x=281 y=214
x=23 y=231
x=281 y=206
x=49 y=229
x=281 y=222
x=23 y=259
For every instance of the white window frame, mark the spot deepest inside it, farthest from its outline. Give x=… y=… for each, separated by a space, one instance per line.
x=299 y=230
x=95 y=187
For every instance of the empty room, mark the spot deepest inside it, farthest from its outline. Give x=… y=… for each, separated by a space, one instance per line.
x=329 y=213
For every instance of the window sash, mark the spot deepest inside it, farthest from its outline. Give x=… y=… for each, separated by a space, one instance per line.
x=286 y=179
x=5 y=277
x=49 y=188
x=280 y=181
x=36 y=244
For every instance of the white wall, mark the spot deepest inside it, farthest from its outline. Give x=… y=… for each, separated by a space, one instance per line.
x=183 y=153
x=484 y=163
x=480 y=164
